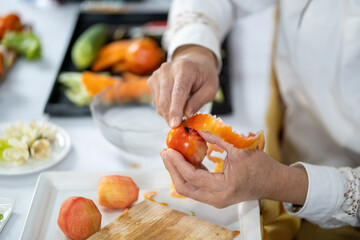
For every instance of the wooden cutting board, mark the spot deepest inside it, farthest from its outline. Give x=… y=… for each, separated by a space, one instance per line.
x=150 y=220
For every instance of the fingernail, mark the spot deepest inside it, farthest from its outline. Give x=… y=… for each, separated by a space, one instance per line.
x=189 y=113
x=162 y=152
x=174 y=122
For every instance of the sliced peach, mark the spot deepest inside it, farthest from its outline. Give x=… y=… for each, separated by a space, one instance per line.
x=117 y=191
x=79 y=218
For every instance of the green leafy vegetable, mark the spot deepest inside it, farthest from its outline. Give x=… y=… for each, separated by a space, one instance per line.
x=1 y=216
x=3 y=145
x=75 y=90
x=24 y=43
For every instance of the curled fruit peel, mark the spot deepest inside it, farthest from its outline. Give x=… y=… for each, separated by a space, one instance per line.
x=219 y=162
x=209 y=123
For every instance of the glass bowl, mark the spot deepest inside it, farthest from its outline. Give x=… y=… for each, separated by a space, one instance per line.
x=135 y=128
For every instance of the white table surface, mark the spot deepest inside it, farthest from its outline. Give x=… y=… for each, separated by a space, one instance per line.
x=25 y=91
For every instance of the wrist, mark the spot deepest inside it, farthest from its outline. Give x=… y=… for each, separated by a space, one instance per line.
x=196 y=52
x=288 y=184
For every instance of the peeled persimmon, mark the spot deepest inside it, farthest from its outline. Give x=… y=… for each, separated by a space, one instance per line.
x=117 y=191
x=79 y=218
x=188 y=142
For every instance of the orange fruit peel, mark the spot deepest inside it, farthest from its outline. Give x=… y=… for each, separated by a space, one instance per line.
x=214 y=125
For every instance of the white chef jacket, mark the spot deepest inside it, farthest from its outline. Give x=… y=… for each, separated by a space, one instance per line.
x=318 y=69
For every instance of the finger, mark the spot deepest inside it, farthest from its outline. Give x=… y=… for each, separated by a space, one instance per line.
x=215 y=139
x=181 y=185
x=154 y=86
x=180 y=93
x=197 y=177
x=179 y=182
x=202 y=166
x=164 y=98
x=198 y=99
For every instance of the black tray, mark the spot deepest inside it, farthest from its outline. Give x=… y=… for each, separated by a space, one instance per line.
x=59 y=105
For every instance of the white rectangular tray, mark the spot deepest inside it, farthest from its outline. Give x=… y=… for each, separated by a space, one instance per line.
x=53 y=188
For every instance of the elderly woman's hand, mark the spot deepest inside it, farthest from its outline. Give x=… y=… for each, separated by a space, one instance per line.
x=185 y=84
x=247 y=175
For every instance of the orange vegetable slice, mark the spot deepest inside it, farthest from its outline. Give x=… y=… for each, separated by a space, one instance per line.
x=110 y=55
x=119 y=67
x=209 y=123
x=95 y=83
x=114 y=47
x=102 y=63
x=129 y=91
x=129 y=77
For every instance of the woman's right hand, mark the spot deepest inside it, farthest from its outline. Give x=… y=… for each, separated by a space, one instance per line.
x=185 y=84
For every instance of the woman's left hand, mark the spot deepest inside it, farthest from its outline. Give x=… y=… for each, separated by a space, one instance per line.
x=247 y=175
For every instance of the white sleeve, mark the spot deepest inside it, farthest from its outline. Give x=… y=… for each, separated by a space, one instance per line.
x=333 y=196
x=205 y=22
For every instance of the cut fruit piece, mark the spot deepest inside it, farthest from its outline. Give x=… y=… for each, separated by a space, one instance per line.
x=79 y=218
x=117 y=191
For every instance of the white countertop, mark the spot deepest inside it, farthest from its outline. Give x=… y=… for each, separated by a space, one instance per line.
x=24 y=93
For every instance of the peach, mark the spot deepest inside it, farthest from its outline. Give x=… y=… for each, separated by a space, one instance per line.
x=79 y=218
x=117 y=191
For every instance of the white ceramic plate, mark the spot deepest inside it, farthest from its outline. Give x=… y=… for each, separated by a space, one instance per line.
x=54 y=187
x=59 y=150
